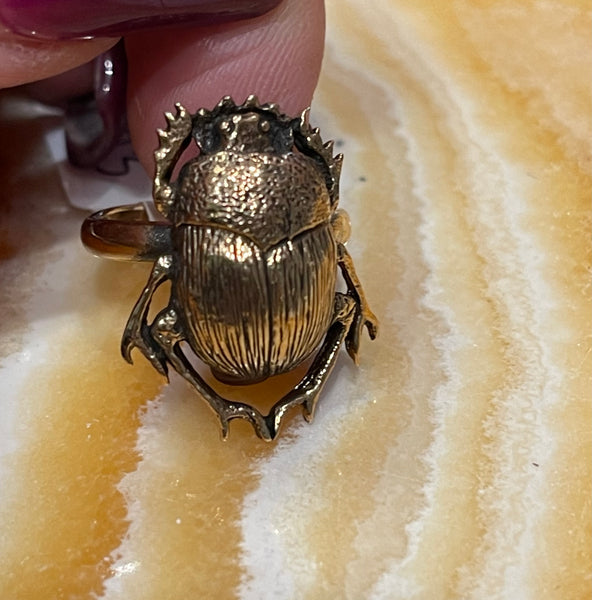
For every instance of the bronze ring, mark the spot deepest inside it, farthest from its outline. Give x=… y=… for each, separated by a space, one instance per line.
x=125 y=233
x=251 y=239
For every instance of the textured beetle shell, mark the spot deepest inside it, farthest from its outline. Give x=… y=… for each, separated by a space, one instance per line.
x=268 y=197
x=257 y=280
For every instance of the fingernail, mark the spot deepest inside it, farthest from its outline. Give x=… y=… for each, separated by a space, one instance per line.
x=68 y=19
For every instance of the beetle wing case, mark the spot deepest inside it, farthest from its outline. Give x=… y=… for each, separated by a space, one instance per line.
x=253 y=312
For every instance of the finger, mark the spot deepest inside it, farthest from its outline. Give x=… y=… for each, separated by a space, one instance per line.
x=41 y=39
x=72 y=19
x=276 y=56
x=23 y=60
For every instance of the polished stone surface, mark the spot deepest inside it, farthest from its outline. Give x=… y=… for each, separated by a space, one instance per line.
x=453 y=463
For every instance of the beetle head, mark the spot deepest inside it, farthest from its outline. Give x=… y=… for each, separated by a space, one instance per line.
x=248 y=127
x=246 y=132
x=254 y=127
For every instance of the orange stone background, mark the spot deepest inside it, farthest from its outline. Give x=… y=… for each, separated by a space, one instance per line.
x=453 y=463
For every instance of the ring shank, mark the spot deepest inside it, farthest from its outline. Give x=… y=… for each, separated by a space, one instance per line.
x=126 y=233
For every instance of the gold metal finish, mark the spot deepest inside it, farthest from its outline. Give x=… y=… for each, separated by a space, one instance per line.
x=125 y=233
x=251 y=242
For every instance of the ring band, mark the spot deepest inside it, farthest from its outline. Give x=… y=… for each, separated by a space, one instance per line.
x=125 y=233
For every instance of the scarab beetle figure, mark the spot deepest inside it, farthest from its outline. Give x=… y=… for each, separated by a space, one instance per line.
x=251 y=245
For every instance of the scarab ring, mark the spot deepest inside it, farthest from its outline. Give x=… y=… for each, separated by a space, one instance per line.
x=250 y=239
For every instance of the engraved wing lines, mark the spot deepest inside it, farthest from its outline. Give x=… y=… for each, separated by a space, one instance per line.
x=250 y=308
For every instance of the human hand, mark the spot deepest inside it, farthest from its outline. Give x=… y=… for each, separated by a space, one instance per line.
x=216 y=47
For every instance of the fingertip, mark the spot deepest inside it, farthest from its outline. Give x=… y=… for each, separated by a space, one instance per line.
x=276 y=56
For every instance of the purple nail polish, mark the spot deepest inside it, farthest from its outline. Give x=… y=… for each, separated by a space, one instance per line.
x=68 y=19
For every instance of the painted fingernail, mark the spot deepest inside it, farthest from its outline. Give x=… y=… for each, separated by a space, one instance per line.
x=68 y=19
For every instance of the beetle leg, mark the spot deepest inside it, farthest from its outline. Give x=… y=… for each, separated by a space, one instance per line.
x=166 y=332
x=137 y=332
x=364 y=316
x=307 y=391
